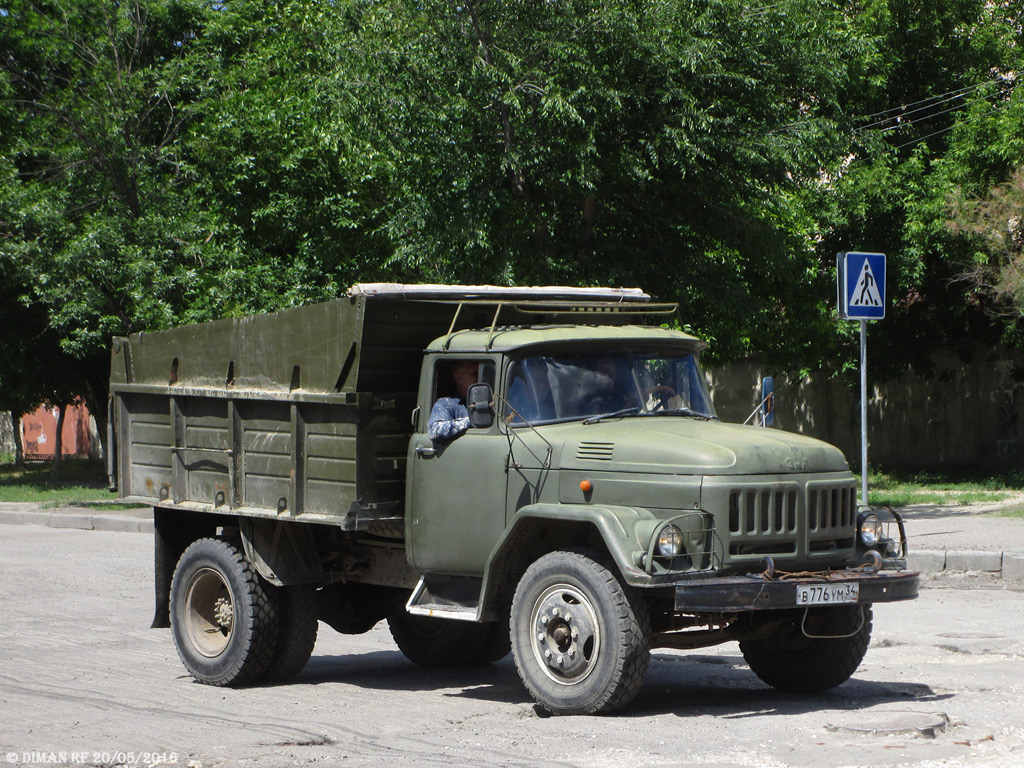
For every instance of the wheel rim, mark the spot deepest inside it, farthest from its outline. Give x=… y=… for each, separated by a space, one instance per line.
x=209 y=612
x=566 y=635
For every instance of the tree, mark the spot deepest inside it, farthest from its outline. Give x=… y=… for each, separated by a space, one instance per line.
x=996 y=224
x=172 y=161
x=659 y=143
x=97 y=210
x=36 y=370
x=934 y=109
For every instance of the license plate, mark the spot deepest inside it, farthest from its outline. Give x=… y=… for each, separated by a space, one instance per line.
x=827 y=594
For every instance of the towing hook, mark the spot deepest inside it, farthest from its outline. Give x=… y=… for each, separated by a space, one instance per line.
x=769 y=568
x=873 y=562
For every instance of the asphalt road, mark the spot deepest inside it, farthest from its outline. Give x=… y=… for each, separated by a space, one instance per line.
x=83 y=680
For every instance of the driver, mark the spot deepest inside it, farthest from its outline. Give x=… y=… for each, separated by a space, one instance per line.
x=609 y=390
x=449 y=417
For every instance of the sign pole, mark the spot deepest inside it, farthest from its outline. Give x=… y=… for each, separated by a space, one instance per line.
x=864 y=413
x=860 y=289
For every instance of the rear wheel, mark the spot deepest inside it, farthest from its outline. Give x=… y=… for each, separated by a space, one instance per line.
x=223 y=618
x=790 y=661
x=581 y=638
x=297 y=635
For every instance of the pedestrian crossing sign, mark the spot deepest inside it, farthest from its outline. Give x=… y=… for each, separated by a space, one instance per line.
x=861 y=285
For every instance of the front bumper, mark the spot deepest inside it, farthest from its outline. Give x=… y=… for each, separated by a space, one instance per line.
x=757 y=592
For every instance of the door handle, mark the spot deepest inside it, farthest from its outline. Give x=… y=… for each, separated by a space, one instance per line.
x=424 y=451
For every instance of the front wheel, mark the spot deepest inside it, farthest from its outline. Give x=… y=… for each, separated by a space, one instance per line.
x=580 y=637
x=789 y=660
x=223 y=619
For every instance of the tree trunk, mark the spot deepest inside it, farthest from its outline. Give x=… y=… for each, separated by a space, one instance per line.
x=96 y=393
x=58 y=443
x=19 y=447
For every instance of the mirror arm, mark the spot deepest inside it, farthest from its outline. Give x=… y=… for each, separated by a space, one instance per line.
x=546 y=461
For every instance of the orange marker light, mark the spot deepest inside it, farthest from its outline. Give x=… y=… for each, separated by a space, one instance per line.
x=586 y=486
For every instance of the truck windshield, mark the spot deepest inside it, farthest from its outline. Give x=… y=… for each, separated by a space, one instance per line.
x=560 y=387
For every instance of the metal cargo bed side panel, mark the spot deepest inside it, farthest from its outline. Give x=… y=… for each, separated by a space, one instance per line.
x=261 y=457
x=266 y=453
x=329 y=447
x=146 y=438
x=202 y=452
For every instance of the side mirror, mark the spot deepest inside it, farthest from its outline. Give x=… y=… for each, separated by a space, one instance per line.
x=478 y=402
x=767 y=401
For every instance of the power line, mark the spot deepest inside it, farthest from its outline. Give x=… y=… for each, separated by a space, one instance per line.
x=949 y=128
x=933 y=115
x=942 y=96
x=936 y=103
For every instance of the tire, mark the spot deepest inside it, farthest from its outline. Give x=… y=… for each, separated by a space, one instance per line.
x=580 y=637
x=790 y=661
x=297 y=634
x=437 y=643
x=223 y=618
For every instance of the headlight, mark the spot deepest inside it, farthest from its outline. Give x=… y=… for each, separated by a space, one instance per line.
x=670 y=541
x=870 y=530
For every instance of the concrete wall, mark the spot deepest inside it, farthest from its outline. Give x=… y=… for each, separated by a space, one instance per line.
x=81 y=437
x=39 y=432
x=963 y=414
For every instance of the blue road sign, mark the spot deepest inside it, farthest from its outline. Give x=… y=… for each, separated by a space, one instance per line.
x=861 y=285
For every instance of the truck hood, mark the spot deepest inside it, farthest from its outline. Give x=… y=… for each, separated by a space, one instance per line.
x=685 y=446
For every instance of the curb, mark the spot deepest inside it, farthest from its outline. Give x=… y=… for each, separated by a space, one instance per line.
x=76 y=521
x=1008 y=566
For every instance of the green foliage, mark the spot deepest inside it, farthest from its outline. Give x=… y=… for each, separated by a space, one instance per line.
x=997 y=224
x=938 y=108
x=951 y=486
x=172 y=161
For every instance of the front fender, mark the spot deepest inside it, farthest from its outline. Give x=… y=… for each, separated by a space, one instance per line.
x=538 y=529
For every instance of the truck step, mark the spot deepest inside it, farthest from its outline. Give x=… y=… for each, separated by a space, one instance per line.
x=448 y=597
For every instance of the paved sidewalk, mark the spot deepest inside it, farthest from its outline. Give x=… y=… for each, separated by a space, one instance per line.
x=960 y=539
x=971 y=538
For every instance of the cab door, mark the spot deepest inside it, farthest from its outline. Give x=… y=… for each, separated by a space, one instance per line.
x=455 y=496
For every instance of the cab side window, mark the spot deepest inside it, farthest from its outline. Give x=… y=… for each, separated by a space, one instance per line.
x=449 y=416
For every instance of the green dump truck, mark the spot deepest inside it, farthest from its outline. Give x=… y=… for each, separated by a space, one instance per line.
x=574 y=500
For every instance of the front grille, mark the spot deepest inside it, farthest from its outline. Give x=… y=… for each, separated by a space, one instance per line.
x=762 y=511
x=830 y=508
x=831 y=517
x=791 y=519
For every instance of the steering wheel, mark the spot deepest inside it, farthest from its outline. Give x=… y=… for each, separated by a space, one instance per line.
x=664 y=393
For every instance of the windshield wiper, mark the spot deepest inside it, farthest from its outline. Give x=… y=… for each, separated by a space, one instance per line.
x=614 y=414
x=680 y=412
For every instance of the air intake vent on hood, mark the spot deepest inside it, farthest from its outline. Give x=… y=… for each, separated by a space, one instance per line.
x=595 y=451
